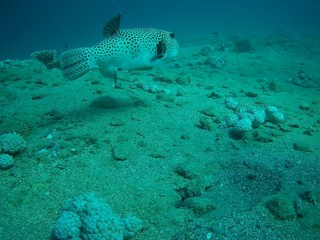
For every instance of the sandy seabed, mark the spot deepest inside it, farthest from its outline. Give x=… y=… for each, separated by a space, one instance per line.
x=153 y=148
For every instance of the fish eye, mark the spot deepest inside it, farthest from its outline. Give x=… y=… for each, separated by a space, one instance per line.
x=172 y=35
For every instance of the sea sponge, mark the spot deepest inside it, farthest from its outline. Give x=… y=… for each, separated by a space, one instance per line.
x=259 y=118
x=231 y=103
x=68 y=226
x=274 y=115
x=229 y=120
x=242 y=115
x=247 y=116
x=215 y=62
x=6 y=161
x=86 y=217
x=12 y=143
x=242 y=126
x=244 y=108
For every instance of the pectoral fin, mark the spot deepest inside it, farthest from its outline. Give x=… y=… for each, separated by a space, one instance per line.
x=161 y=50
x=110 y=72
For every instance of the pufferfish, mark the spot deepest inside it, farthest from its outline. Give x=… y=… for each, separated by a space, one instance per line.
x=122 y=49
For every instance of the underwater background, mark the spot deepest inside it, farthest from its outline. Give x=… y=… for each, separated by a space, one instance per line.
x=27 y=26
x=219 y=142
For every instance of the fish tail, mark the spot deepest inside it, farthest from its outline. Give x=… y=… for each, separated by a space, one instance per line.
x=77 y=62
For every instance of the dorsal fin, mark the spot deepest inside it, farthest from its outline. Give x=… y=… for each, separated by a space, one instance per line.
x=112 y=26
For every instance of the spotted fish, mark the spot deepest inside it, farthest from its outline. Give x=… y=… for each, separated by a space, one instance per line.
x=121 y=49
